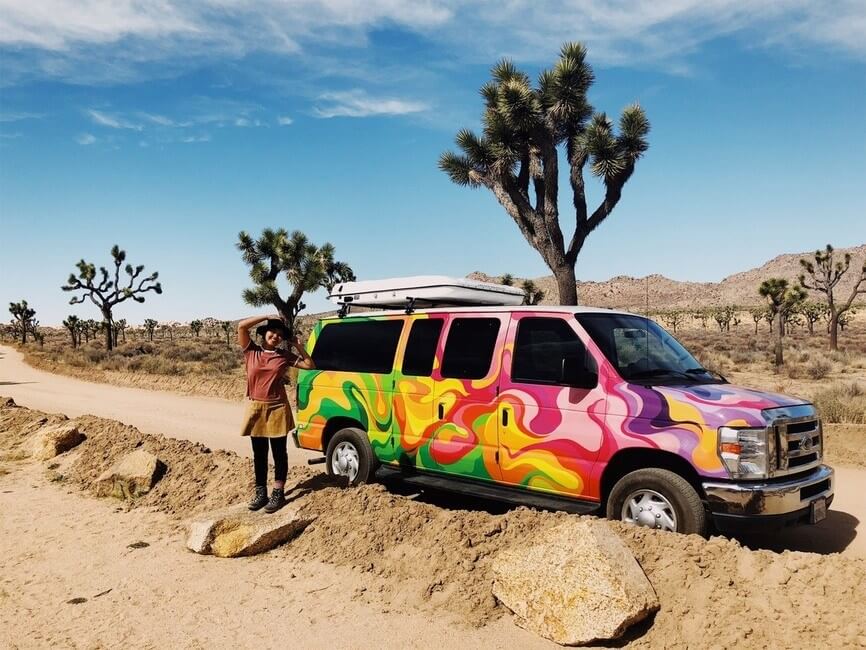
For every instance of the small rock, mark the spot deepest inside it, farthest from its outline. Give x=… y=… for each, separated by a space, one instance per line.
x=575 y=584
x=138 y=545
x=55 y=439
x=237 y=532
x=76 y=601
x=132 y=476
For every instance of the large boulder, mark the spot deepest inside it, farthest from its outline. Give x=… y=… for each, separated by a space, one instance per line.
x=237 y=532
x=132 y=476
x=55 y=439
x=575 y=584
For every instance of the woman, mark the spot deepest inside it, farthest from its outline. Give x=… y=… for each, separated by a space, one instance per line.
x=268 y=416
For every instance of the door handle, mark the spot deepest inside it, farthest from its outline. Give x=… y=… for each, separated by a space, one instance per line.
x=441 y=411
x=505 y=417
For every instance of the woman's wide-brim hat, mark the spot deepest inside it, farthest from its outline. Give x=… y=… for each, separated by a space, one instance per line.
x=274 y=325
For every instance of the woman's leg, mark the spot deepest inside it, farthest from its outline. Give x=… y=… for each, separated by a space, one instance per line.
x=260 y=459
x=281 y=461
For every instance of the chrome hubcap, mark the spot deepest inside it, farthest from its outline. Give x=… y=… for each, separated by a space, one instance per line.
x=649 y=508
x=344 y=461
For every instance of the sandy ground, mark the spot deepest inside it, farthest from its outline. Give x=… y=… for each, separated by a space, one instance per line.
x=210 y=421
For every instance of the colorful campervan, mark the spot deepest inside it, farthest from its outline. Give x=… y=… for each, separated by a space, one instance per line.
x=588 y=410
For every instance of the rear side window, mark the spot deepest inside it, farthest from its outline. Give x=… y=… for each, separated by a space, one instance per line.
x=358 y=346
x=469 y=348
x=540 y=348
x=421 y=347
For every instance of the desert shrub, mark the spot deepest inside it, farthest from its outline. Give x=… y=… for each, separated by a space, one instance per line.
x=160 y=366
x=94 y=356
x=818 y=368
x=716 y=362
x=742 y=357
x=795 y=370
x=842 y=403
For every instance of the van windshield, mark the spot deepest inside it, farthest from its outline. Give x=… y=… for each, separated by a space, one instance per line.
x=643 y=352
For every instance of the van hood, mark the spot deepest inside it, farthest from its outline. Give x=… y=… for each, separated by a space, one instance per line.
x=716 y=405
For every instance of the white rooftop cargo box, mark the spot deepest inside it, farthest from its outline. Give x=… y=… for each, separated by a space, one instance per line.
x=424 y=291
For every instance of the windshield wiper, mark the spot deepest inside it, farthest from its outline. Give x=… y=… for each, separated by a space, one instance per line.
x=659 y=372
x=704 y=371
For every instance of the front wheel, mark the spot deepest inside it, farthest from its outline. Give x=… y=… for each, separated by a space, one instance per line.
x=350 y=455
x=657 y=498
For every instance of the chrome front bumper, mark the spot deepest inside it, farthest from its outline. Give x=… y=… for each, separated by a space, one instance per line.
x=769 y=499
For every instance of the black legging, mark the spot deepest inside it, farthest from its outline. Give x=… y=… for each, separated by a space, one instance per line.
x=260 y=458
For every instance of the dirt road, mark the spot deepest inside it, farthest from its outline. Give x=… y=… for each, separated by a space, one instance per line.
x=214 y=422
x=210 y=421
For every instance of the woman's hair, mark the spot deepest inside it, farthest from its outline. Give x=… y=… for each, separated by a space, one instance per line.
x=274 y=325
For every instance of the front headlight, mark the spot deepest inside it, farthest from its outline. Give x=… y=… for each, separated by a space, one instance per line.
x=746 y=453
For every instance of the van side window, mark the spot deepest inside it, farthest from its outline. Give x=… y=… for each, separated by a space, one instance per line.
x=358 y=346
x=421 y=347
x=469 y=348
x=540 y=348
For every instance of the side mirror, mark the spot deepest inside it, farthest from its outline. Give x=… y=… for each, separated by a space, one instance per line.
x=579 y=372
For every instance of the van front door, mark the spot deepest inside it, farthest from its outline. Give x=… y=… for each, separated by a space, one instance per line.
x=464 y=439
x=551 y=407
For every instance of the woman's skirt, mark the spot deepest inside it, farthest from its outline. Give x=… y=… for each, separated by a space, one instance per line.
x=267 y=419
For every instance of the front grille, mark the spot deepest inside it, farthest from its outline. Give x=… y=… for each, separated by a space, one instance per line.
x=799 y=444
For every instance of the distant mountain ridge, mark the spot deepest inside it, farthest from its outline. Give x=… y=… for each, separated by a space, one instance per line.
x=626 y=292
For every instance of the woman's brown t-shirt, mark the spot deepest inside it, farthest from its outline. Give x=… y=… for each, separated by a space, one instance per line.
x=265 y=370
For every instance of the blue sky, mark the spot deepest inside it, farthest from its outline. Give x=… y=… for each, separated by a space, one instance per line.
x=168 y=126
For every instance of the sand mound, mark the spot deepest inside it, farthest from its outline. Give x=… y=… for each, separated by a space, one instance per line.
x=712 y=592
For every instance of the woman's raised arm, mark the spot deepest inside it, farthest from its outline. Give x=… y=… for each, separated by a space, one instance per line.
x=244 y=328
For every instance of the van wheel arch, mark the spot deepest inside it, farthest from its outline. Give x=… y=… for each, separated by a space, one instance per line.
x=626 y=461
x=335 y=424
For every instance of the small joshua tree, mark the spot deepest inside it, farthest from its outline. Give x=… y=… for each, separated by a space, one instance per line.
x=306 y=266
x=507 y=280
x=195 y=326
x=107 y=292
x=702 y=315
x=823 y=275
x=22 y=317
x=724 y=316
x=673 y=318
x=532 y=295
x=781 y=300
x=812 y=312
x=150 y=327
x=227 y=328
x=120 y=329
x=517 y=155
x=73 y=325
x=758 y=314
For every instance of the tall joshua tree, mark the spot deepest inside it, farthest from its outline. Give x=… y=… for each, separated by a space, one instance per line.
x=824 y=274
x=517 y=155
x=22 y=318
x=195 y=326
x=306 y=266
x=150 y=327
x=106 y=292
x=781 y=300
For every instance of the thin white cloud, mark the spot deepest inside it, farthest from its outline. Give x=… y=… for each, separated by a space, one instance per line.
x=284 y=120
x=196 y=138
x=11 y=136
x=18 y=116
x=162 y=120
x=85 y=139
x=112 y=121
x=357 y=103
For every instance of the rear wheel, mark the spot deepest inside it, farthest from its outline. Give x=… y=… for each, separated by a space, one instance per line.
x=350 y=455
x=657 y=498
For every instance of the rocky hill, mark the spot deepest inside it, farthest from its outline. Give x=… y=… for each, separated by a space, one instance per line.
x=626 y=292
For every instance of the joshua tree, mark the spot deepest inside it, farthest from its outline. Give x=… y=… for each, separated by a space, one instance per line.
x=73 y=324
x=824 y=275
x=150 y=327
x=532 y=295
x=195 y=326
x=673 y=318
x=517 y=156
x=781 y=300
x=507 y=280
x=108 y=292
x=38 y=336
x=306 y=267
x=702 y=315
x=22 y=317
x=120 y=328
x=812 y=312
x=758 y=314
x=724 y=316
x=227 y=328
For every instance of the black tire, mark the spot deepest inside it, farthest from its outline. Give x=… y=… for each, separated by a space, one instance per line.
x=691 y=517
x=345 y=440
